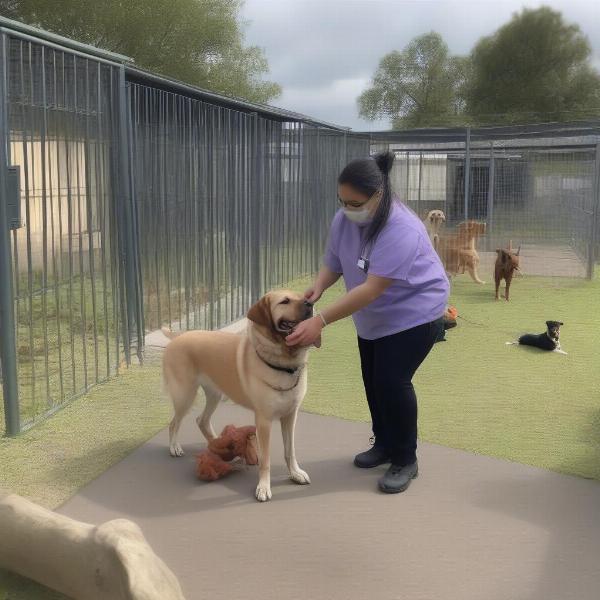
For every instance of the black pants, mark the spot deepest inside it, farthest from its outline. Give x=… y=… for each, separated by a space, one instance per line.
x=388 y=365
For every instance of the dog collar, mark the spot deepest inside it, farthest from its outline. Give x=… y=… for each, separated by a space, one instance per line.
x=275 y=367
x=284 y=369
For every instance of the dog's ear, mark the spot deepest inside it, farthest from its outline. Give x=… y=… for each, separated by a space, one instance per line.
x=260 y=313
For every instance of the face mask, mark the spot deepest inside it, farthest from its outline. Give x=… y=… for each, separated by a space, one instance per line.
x=358 y=216
x=362 y=216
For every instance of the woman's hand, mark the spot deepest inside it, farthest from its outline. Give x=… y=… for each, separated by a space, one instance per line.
x=313 y=294
x=306 y=333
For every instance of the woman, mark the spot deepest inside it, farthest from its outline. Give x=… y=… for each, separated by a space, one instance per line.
x=397 y=292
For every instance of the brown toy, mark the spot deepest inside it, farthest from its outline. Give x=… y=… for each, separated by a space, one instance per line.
x=210 y=466
x=507 y=263
x=234 y=442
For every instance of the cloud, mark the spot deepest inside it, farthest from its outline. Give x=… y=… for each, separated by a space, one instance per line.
x=334 y=102
x=324 y=53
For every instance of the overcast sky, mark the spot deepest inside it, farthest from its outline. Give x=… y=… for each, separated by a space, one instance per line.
x=324 y=52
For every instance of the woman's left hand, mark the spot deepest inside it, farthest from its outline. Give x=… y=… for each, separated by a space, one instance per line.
x=306 y=333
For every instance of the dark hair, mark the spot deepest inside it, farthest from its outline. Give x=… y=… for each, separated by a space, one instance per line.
x=369 y=175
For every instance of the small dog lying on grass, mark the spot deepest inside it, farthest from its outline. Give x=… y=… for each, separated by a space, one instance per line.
x=549 y=340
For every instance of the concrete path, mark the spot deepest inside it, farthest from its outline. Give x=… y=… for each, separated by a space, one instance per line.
x=470 y=527
x=538 y=260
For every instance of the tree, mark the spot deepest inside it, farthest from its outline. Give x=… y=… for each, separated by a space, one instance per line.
x=200 y=42
x=534 y=68
x=420 y=86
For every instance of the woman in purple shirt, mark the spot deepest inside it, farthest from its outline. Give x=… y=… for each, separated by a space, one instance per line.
x=397 y=292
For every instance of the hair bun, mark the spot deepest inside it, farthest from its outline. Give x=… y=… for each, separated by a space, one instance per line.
x=385 y=161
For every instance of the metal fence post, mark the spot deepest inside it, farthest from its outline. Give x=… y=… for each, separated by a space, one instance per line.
x=8 y=353
x=254 y=208
x=595 y=217
x=420 y=184
x=136 y=258
x=126 y=211
x=467 y=171
x=490 y=196
x=407 y=198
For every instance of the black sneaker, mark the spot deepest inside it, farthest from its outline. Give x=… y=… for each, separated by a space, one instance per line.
x=398 y=478
x=371 y=458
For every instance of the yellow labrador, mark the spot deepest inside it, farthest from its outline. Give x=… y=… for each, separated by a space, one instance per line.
x=434 y=221
x=256 y=370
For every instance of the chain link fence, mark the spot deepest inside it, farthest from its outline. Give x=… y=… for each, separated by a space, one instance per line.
x=534 y=186
x=230 y=204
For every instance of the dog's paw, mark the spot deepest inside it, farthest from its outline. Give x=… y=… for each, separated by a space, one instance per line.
x=176 y=450
x=299 y=476
x=263 y=492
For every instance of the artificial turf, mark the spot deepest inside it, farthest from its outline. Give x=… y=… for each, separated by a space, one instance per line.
x=475 y=393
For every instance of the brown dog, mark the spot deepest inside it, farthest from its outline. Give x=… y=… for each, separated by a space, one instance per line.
x=469 y=258
x=507 y=263
x=458 y=250
x=256 y=370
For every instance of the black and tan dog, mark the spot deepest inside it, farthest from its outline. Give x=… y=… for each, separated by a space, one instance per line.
x=549 y=340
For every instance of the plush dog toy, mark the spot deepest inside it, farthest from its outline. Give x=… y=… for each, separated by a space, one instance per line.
x=234 y=442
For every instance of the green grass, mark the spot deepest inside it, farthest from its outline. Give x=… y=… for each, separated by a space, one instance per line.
x=476 y=393
x=65 y=342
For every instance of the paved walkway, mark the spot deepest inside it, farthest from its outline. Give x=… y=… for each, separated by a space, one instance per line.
x=538 y=260
x=470 y=527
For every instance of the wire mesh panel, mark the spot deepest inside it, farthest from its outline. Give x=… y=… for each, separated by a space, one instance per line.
x=230 y=204
x=65 y=256
x=192 y=166
x=533 y=188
